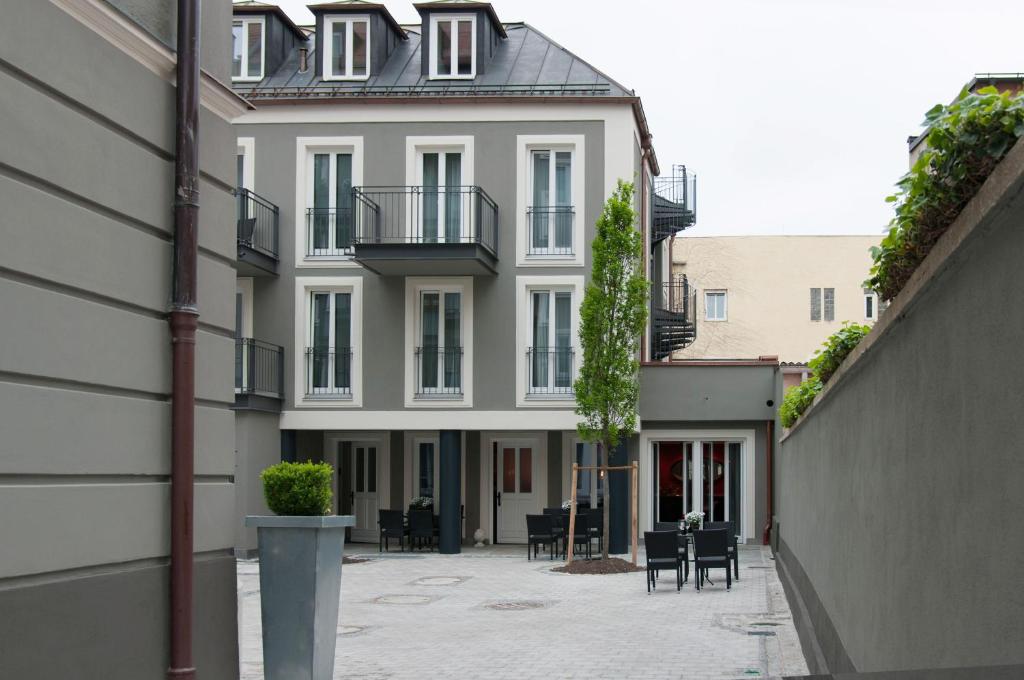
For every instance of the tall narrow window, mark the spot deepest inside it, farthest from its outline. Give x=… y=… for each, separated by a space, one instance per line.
x=247 y=49
x=453 y=40
x=870 y=305
x=550 y=359
x=347 y=48
x=443 y=198
x=830 y=304
x=329 y=355
x=439 y=356
x=815 y=304
x=551 y=210
x=330 y=219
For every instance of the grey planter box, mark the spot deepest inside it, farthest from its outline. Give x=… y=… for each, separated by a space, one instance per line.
x=300 y=588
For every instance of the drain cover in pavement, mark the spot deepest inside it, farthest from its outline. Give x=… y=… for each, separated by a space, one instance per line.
x=516 y=605
x=438 y=581
x=402 y=599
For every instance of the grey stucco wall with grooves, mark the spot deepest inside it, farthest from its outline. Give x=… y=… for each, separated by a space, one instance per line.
x=86 y=183
x=901 y=488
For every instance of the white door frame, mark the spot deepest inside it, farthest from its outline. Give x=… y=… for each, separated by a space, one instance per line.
x=748 y=475
x=539 y=443
x=382 y=440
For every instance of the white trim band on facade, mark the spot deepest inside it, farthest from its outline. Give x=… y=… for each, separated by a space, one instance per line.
x=423 y=419
x=127 y=36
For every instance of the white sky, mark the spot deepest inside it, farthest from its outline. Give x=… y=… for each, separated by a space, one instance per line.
x=793 y=113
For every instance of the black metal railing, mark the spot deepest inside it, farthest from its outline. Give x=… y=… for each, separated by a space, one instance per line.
x=550 y=230
x=258 y=221
x=674 y=203
x=425 y=215
x=550 y=370
x=673 y=317
x=438 y=371
x=259 y=368
x=676 y=297
x=328 y=372
x=329 y=232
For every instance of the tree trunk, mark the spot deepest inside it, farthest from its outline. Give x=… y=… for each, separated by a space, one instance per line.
x=605 y=458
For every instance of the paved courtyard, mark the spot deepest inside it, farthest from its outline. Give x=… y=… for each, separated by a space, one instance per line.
x=490 y=613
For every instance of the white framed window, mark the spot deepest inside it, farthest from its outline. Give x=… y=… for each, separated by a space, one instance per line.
x=246 y=163
x=550 y=197
x=547 y=328
x=441 y=209
x=327 y=170
x=870 y=305
x=716 y=305
x=328 y=333
x=438 y=335
x=346 y=48
x=453 y=46
x=248 y=48
x=823 y=304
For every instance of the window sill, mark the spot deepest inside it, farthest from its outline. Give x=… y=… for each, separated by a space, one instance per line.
x=328 y=396
x=333 y=78
x=445 y=77
x=439 y=397
x=246 y=79
x=555 y=396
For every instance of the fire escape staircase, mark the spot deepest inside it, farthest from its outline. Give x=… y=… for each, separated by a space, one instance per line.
x=673 y=317
x=673 y=204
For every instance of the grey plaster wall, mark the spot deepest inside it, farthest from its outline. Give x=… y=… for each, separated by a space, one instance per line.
x=901 y=489
x=86 y=184
x=257 y=446
x=713 y=392
x=384 y=297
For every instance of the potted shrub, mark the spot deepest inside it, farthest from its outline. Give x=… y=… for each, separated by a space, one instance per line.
x=300 y=551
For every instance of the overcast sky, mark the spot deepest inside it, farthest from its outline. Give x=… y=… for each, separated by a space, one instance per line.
x=793 y=113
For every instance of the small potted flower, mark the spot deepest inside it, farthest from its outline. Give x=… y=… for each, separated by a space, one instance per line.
x=693 y=520
x=422 y=503
x=300 y=552
x=567 y=505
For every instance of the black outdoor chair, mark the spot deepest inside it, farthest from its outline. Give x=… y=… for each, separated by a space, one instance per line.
x=421 y=529
x=580 y=535
x=662 y=548
x=246 y=227
x=597 y=526
x=734 y=554
x=684 y=545
x=392 y=525
x=540 y=531
x=556 y=520
x=711 y=551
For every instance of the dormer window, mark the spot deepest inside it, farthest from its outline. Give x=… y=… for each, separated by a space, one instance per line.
x=247 y=56
x=453 y=46
x=347 y=48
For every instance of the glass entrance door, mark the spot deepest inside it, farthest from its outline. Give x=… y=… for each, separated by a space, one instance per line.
x=674 y=481
x=698 y=475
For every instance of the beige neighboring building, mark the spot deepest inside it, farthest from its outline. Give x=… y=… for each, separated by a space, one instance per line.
x=773 y=295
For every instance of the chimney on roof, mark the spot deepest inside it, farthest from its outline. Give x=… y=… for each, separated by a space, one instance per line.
x=303 y=59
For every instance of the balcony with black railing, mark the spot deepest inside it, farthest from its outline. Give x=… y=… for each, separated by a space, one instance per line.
x=258 y=234
x=259 y=375
x=329 y=373
x=550 y=231
x=673 y=317
x=425 y=230
x=438 y=372
x=673 y=203
x=550 y=372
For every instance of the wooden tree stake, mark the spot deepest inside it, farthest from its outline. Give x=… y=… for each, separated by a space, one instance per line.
x=572 y=515
x=635 y=508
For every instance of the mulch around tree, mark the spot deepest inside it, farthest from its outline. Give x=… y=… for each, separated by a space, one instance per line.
x=612 y=565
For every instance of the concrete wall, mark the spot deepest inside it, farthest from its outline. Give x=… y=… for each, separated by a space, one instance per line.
x=900 y=490
x=86 y=185
x=767 y=280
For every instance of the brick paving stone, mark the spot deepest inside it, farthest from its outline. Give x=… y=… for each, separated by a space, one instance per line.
x=590 y=627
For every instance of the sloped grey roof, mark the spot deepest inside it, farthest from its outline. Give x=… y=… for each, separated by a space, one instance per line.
x=527 y=63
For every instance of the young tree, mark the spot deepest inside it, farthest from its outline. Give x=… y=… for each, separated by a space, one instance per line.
x=612 y=318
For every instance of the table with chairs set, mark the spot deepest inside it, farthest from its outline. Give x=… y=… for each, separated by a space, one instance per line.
x=714 y=547
x=551 y=530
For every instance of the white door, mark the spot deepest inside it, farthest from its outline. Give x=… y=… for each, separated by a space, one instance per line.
x=364 y=492
x=518 y=492
x=443 y=203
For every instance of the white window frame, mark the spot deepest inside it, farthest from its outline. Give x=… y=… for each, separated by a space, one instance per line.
x=532 y=291
x=873 y=297
x=305 y=286
x=435 y=53
x=525 y=145
x=525 y=286
x=415 y=147
x=725 y=304
x=329 y=22
x=305 y=148
x=414 y=286
x=247 y=149
x=245 y=21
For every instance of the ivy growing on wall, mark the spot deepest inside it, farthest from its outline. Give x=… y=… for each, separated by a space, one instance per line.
x=966 y=140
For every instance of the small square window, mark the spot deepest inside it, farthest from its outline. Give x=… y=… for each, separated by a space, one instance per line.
x=247 y=49
x=715 y=305
x=346 y=48
x=453 y=46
